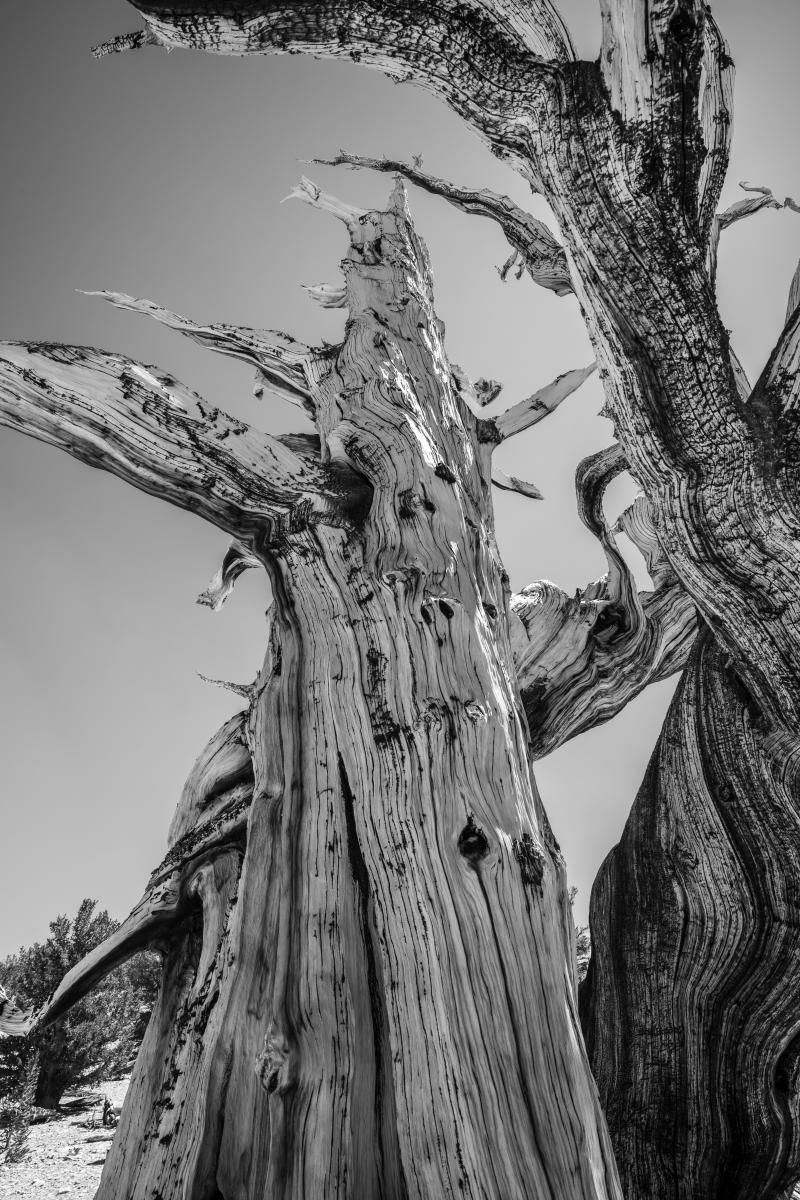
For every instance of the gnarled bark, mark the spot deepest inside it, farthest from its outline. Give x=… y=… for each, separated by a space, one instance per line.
x=631 y=153
x=368 y=984
x=632 y=161
x=580 y=659
x=703 y=886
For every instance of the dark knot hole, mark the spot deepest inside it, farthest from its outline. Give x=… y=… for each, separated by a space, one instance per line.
x=473 y=843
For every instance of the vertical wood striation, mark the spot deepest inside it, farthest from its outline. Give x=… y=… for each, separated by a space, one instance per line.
x=368 y=983
x=702 y=886
x=391 y=668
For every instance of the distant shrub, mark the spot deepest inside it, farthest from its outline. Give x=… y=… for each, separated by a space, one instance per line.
x=16 y=1111
x=98 y=1037
x=583 y=942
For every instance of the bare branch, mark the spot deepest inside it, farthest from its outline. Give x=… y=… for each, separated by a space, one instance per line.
x=510 y=483
x=126 y=41
x=514 y=260
x=794 y=294
x=540 y=254
x=165 y=902
x=328 y=295
x=485 y=60
x=779 y=383
x=581 y=659
x=715 y=108
x=592 y=477
x=143 y=426
x=223 y=765
x=237 y=560
x=157 y=912
x=307 y=191
x=569 y=678
x=211 y=816
x=763 y=198
x=637 y=523
x=279 y=358
x=245 y=690
x=776 y=396
x=529 y=412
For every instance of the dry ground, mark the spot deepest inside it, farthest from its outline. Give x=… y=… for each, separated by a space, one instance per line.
x=66 y=1155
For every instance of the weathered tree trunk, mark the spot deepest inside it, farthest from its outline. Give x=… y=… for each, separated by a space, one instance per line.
x=632 y=158
x=49 y=1088
x=396 y=861
x=703 y=887
x=369 y=980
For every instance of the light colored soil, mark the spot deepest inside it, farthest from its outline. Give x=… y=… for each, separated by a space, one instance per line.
x=63 y=1161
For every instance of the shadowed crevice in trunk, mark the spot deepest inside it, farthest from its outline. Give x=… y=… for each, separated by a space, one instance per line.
x=392 y=1180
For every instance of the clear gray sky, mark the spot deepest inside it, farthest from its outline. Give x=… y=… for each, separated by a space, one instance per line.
x=161 y=175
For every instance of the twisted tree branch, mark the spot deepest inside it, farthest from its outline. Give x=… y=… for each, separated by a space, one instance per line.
x=126 y=41
x=143 y=426
x=485 y=60
x=210 y=820
x=279 y=358
x=581 y=659
x=237 y=560
x=762 y=198
x=540 y=253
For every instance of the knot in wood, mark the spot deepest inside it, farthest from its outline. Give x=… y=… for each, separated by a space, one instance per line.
x=530 y=860
x=444 y=472
x=273 y=1065
x=473 y=844
x=476 y=712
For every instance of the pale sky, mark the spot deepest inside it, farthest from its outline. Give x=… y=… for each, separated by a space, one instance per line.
x=162 y=175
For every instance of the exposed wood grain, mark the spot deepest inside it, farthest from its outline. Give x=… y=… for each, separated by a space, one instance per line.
x=281 y=361
x=367 y=901
x=703 y=887
x=540 y=253
x=580 y=659
x=236 y=561
x=141 y=424
x=368 y=984
x=538 y=406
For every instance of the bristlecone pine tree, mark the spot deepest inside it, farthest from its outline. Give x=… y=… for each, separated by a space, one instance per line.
x=369 y=985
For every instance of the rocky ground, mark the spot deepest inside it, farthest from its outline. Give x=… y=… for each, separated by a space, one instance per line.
x=67 y=1154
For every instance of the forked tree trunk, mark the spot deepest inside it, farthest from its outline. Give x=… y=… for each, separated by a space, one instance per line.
x=367 y=987
x=631 y=153
x=369 y=978
x=390 y=977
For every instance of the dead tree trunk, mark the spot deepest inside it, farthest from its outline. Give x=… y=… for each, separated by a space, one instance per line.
x=369 y=987
x=631 y=152
x=366 y=908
